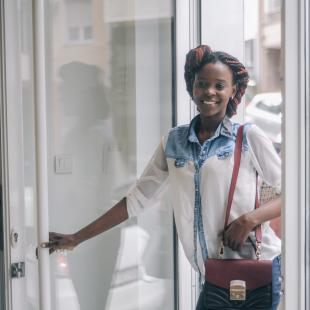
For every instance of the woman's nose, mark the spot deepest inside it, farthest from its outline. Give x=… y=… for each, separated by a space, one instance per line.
x=209 y=91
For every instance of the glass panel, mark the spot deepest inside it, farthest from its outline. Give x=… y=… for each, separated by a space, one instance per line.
x=109 y=86
x=263 y=61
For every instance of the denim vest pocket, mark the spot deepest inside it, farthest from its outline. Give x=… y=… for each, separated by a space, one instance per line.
x=224 y=152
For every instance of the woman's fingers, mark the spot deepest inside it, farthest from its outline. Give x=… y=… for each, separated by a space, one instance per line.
x=233 y=241
x=58 y=242
x=49 y=244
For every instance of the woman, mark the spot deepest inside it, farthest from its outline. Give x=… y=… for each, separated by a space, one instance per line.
x=197 y=161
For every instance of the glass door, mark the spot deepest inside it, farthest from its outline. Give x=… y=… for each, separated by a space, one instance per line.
x=108 y=103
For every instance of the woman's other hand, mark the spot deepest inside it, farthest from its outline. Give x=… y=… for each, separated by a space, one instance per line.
x=237 y=232
x=60 y=242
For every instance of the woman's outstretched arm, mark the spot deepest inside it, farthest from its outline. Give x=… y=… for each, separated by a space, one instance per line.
x=147 y=189
x=116 y=215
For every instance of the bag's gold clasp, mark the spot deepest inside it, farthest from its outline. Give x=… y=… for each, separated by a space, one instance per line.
x=237 y=290
x=258 y=251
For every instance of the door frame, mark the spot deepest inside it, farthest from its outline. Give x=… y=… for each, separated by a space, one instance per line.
x=6 y=278
x=295 y=180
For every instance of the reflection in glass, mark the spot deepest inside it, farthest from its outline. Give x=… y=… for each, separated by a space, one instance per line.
x=109 y=104
x=263 y=60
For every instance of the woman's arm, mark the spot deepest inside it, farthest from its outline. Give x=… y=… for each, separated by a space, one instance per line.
x=238 y=231
x=147 y=189
x=266 y=212
x=267 y=163
x=116 y=215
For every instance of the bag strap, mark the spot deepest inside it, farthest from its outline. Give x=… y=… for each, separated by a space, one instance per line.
x=237 y=159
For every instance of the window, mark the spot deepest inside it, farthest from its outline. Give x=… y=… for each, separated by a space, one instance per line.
x=79 y=21
x=272 y=6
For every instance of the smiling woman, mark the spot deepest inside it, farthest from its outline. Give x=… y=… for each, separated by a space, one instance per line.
x=197 y=161
x=236 y=77
x=213 y=88
x=216 y=81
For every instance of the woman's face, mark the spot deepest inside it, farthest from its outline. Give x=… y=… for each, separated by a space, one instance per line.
x=213 y=86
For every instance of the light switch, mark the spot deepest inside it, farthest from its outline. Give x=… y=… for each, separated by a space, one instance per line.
x=63 y=164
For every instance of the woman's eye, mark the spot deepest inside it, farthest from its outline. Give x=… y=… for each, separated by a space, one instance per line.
x=219 y=86
x=201 y=84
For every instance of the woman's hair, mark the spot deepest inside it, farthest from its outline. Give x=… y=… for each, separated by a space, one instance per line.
x=202 y=55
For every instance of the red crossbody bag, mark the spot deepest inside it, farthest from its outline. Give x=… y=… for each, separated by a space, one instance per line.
x=238 y=283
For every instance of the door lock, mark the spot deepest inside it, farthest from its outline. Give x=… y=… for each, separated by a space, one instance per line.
x=18 y=270
x=14 y=238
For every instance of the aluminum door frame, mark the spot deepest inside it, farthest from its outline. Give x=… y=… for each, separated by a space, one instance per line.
x=38 y=12
x=4 y=164
x=295 y=177
x=307 y=152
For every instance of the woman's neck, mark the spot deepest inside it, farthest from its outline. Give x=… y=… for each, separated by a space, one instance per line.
x=207 y=127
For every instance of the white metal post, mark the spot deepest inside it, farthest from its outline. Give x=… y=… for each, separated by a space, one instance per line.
x=41 y=151
x=7 y=302
x=294 y=130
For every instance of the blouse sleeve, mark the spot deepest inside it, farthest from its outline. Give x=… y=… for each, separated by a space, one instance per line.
x=265 y=159
x=151 y=185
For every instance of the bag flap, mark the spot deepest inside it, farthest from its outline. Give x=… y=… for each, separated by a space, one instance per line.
x=256 y=273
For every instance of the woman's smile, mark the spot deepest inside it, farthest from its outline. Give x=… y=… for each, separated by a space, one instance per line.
x=212 y=90
x=208 y=102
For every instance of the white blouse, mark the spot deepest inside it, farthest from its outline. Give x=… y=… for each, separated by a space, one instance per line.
x=173 y=164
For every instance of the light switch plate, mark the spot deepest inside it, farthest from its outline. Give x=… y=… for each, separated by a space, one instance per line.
x=63 y=164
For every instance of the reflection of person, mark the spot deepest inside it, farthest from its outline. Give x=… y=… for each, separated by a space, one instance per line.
x=196 y=160
x=86 y=134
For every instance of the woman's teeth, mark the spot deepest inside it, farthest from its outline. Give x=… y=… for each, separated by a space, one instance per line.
x=208 y=102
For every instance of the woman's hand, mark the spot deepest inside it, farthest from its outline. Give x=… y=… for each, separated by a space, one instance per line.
x=116 y=215
x=61 y=242
x=237 y=232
